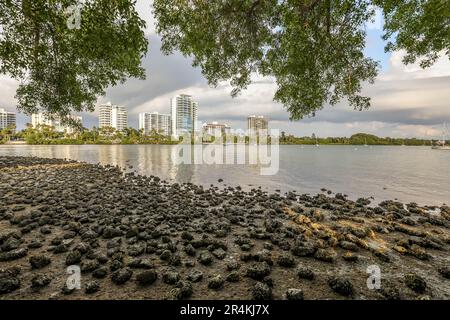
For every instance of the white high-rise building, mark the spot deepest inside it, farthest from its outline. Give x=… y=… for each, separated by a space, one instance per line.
x=54 y=121
x=113 y=116
x=184 y=115
x=155 y=121
x=7 y=119
x=256 y=123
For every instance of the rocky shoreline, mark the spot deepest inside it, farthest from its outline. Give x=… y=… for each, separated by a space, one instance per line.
x=138 y=237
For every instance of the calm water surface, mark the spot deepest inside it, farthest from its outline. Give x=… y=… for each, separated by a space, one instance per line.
x=408 y=174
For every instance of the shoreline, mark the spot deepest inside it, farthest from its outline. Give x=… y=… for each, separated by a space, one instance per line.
x=138 y=237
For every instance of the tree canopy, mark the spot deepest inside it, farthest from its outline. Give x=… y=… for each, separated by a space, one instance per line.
x=313 y=49
x=64 y=66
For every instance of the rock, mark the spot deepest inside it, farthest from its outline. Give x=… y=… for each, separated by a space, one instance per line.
x=258 y=271
x=89 y=265
x=294 y=294
x=9 y=280
x=40 y=281
x=326 y=255
x=190 y=250
x=286 y=261
x=100 y=272
x=205 y=258
x=73 y=258
x=350 y=256
x=171 y=277
x=121 y=276
x=195 y=276
x=14 y=254
x=39 y=262
x=92 y=287
x=146 y=277
x=444 y=271
x=233 y=277
x=341 y=286
x=347 y=245
x=305 y=273
x=389 y=292
x=232 y=265
x=216 y=282
x=261 y=291
x=303 y=250
x=219 y=254
x=415 y=283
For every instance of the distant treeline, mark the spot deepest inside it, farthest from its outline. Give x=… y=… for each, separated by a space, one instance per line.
x=47 y=135
x=356 y=139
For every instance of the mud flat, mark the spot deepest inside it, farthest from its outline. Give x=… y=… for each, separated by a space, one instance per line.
x=138 y=237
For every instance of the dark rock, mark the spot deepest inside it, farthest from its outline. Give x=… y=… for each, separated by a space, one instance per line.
x=205 y=258
x=171 y=277
x=92 y=287
x=294 y=294
x=415 y=283
x=40 y=281
x=233 y=277
x=444 y=271
x=121 y=276
x=341 y=286
x=261 y=291
x=39 y=262
x=216 y=282
x=100 y=272
x=9 y=280
x=73 y=258
x=305 y=273
x=286 y=261
x=258 y=271
x=195 y=276
x=326 y=255
x=146 y=277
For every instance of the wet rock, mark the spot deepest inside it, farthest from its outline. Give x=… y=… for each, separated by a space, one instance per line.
x=121 y=276
x=205 y=258
x=258 y=271
x=195 y=276
x=233 y=277
x=89 y=265
x=92 y=287
x=171 y=277
x=9 y=280
x=100 y=272
x=326 y=255
x=341 y=286
x=39 y=262
x=73 y=258
x=305 y=273
x=40 y=281
x=286 y=261
x=294 y=294
x=146 y=277
x=216 y=282
x=14 y=254
x=415 y=283
x=444 y=271
x=261 y=291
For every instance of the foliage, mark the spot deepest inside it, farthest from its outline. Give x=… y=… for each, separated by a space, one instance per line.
x=313 y=48
x=65 y=69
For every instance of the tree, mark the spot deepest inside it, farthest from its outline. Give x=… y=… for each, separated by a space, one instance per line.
x=64 y=67
x=312 y=48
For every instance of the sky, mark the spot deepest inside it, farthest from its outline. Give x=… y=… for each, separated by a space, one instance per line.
x=406 y=100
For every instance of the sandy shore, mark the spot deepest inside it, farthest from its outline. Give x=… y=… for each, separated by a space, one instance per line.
x=137 y=237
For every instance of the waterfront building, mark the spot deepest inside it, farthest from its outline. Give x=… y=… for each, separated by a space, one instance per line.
x=256 y=123
x=183 y=115
x=157 y=122
x=216 y=129
x=7 y=119
x=54 y=121
x=113 y=116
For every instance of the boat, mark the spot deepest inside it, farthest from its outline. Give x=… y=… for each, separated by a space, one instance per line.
x=441 y=145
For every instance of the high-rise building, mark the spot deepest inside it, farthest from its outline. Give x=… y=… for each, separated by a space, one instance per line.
x=113 y=116
x=216 y=129
x=54 y=122
x=256 y=123
x=7 y=119
x=183 y=115
x=157 y=122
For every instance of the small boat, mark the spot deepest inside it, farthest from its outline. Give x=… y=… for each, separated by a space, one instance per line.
x=441 y=145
